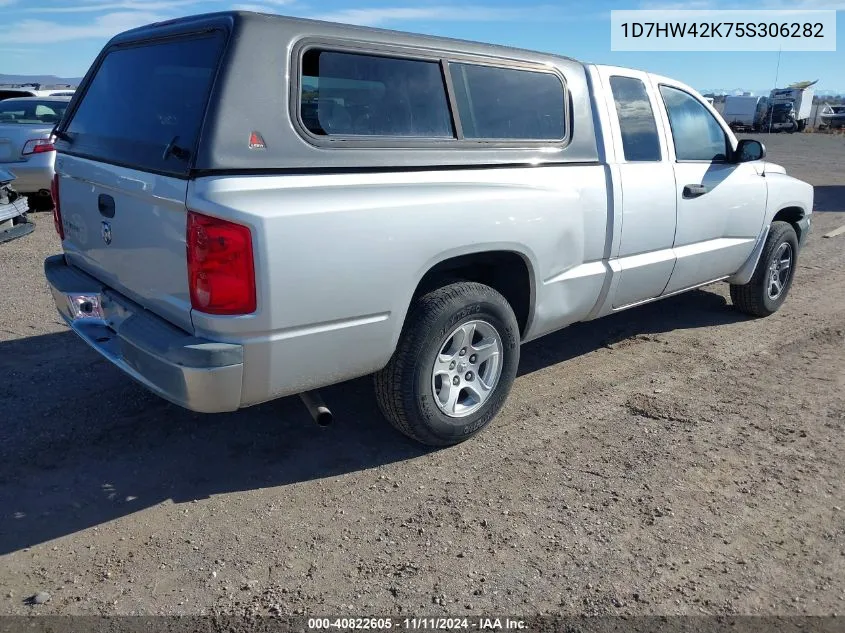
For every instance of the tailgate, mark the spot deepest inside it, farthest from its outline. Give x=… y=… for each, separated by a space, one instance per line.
x=124 y=160
x=127 y=228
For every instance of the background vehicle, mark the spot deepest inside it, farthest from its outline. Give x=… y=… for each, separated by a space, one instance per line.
x=781 y=118
x=26 y=144
x=745 y=112
x=835 y=118
x=412 y=207
x=10 y=91
x=801 y=100
x=13 y=209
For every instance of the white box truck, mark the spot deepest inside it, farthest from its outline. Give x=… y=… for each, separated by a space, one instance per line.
x=792 y=104
x=745 y=112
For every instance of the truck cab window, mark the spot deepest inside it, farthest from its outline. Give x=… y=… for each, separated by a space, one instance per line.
x=636 y=119
x=697 y=134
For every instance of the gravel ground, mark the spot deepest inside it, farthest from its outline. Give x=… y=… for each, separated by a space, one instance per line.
x=678 y=458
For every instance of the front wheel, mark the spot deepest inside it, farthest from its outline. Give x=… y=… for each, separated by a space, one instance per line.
x=454 y=365
x=772 y=278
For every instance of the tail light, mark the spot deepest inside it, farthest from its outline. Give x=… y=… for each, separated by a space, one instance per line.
x=221 y=271
x=57 y=209
x=38 y=146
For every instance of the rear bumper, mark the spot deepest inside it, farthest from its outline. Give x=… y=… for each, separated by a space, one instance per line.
x=195 y=373
x=33 y=175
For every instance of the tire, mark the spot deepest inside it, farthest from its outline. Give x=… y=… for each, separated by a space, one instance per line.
x=407 y=389
x=40 y=203
x=755 y=297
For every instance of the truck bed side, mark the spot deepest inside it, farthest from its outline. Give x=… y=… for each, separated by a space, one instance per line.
x=339 y=257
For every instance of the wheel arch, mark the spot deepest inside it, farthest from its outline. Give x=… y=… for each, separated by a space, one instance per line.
x=793 y=214
x=508 y=269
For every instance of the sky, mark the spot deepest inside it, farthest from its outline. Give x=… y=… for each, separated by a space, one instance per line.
x=62 y=37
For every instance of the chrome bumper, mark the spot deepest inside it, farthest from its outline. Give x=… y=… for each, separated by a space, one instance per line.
x=198 y=374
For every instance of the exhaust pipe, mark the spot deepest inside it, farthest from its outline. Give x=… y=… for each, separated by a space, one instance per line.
x=317 y=408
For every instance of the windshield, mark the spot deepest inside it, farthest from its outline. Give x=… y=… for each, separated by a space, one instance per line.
x=32 y=111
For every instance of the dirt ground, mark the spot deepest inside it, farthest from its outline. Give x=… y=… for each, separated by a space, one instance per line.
x=678 y=458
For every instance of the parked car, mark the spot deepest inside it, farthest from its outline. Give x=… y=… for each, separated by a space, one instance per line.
x=10 y=91
x=13 y=210
x=834 y=118
x=408 y=206
x=26 y=143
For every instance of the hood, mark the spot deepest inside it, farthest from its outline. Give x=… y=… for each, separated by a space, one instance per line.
x=774 y=168
x=765 y=167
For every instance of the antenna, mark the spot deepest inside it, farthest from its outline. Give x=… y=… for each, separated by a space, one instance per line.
x=777 y=74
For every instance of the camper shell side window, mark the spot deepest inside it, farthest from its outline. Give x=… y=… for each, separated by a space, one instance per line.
x=359 y=95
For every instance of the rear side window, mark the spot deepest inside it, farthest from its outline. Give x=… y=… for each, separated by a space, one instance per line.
x=508 y=103
x=32 y=112
x=636 y=119
x=349 y=94
x=145 y=106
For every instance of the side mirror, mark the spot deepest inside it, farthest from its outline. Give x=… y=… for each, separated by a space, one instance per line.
x=749 y=150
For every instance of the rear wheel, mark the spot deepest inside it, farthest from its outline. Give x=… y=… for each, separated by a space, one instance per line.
x=454 y=365
x=772 y=278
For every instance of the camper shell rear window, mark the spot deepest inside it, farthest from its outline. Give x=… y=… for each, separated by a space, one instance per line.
x=145 y=106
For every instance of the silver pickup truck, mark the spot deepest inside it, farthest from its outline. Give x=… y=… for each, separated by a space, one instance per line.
x=254 y=206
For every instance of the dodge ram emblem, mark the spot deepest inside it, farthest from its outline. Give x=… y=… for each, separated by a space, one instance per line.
x=106 y=232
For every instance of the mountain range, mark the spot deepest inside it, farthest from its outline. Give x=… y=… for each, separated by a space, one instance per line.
x=39 y=79
x=764 y=92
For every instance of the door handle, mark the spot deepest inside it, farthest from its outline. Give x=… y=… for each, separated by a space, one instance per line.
x=105 y=205
x=694 y=191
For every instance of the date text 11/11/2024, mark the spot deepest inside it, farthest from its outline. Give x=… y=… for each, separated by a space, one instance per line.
x=418 y=624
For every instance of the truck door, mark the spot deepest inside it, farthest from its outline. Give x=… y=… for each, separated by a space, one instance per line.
x=645 y=259
x=721 y=205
